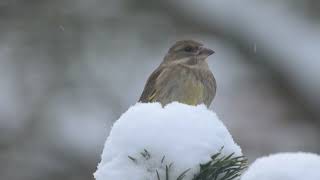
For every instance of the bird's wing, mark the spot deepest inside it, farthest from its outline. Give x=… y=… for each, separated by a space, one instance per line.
x=150 y=91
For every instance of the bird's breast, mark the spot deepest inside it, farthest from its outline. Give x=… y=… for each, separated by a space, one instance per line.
x=189 y=87
x=193 y=92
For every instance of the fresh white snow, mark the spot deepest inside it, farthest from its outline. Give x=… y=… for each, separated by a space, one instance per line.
x=180 y=134
x=285 y=166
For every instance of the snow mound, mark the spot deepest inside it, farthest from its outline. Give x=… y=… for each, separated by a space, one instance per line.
x=154 y=137
x=285 y=166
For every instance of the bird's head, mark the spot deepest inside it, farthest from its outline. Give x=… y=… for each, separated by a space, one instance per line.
x=187 y=51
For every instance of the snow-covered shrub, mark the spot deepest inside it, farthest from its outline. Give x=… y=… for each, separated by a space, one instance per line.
x=285 y=166
x=150 y=142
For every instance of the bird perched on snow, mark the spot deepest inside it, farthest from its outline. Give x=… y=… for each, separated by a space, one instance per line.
x=183 y=76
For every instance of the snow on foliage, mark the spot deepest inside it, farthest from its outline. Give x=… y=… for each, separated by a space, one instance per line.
x=148 y=138
x=285 y=166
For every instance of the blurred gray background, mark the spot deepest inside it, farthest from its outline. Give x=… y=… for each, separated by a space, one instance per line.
x=70 y=68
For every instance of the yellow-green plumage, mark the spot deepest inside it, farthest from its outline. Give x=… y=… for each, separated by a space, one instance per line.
x=194 y=93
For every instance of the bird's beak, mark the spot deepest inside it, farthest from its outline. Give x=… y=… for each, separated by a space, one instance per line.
x=205 y=51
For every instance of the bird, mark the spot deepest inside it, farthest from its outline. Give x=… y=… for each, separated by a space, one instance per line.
x=183 y=76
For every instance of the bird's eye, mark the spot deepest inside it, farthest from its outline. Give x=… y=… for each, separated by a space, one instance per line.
x=188 y=49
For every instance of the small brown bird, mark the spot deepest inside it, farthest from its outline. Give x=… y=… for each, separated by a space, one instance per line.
x=183 y=76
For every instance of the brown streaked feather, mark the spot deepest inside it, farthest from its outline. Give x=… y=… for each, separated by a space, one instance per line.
x=149 y=91
x=166 y=82
x=180 y=44
x=162 y=78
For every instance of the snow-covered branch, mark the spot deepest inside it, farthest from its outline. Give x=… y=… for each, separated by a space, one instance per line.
x=151 y=142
